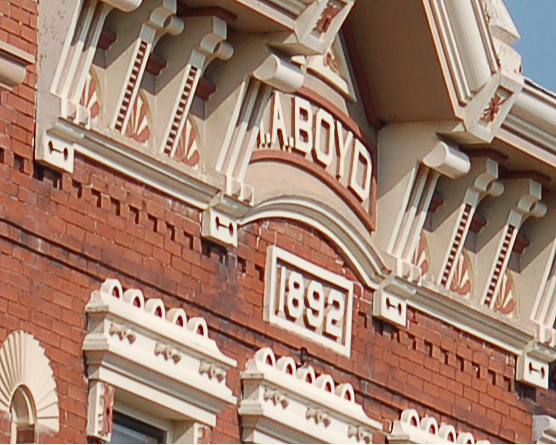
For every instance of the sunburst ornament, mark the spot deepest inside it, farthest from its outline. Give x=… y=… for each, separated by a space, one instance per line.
x=187 y=150
x=420 y=257
x=90 y=97
x=461 y=282
x=138 y=127
x=23 y=362
x=505 y=299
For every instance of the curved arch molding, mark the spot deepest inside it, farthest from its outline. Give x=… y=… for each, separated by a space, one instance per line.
x=23 y=362
x=360 y=253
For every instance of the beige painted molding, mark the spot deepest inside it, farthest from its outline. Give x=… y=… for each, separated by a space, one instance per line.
x=24 y=364
x=284 y=403
x=411 y=429
x=157 y=360
x=13 y=65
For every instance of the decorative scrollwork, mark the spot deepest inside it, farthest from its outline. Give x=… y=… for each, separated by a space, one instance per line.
x=212 y=371
x=122 y=332
x=461 y=282
x=187 y=150
x=505 y=299
x=318 y=416
x=276 y=397
x=138 y=127
x=360 y=434
x=167 y=352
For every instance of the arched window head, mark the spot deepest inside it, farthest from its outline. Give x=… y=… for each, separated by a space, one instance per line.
x=27 y=388
x=24 y=416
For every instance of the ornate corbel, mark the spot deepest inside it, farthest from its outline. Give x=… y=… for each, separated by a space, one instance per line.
x=127 y=57
x=527 y=194
x=203 y=40
x=482 y=181
x=445 y=160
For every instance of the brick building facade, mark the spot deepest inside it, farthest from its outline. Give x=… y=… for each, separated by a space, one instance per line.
x=192 y=192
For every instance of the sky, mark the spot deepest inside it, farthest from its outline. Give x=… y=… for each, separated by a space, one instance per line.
x=536 y=22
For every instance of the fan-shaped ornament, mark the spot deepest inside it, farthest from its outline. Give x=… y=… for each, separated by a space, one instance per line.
x=138 y=127
x=23 y=362
x=505 y=299
x=461 y=282
x=420 y=257
x=187 y=150
x=90 y=96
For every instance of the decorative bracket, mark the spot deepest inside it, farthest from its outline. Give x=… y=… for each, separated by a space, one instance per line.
x=219 y=228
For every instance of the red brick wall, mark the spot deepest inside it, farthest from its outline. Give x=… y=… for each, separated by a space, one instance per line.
x=61 y=236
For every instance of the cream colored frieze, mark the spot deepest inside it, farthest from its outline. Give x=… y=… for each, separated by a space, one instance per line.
x=13 y=65
x=27 y=386
x=411 y=429
x=155 y=360
x=389 y=301
x=544 y=429
x=284 y=403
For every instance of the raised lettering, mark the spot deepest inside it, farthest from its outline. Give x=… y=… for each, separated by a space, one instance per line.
x=361 y=171
x=295 y=293
x=314 y=314
x=334 y=313
x=303 y=125
x=342 y=146
x=324 y=122
x=278 y=127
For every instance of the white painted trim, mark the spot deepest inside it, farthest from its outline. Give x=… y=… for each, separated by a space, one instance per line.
x=23 y=362
x=149 y=167
x=365 y=258
x=155 y=356
x=13 y=65
x=411 y=429
x=275 y=254
x=472 y=318
x=544 y=429
x=281 y=405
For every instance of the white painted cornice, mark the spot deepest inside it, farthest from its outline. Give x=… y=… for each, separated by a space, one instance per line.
x=155 y=356
x=472 y=318
x=13 y=65
x=544 y=429
x=411 y=429
x=283 y=403
x=533 y=117
x=145 y=165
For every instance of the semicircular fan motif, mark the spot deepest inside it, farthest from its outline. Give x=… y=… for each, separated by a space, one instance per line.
x=187 y=150
x=461 y=282
x=138 y=126
x=90 y=98
x=421 y=256
x=23 y=362
x=505 y=299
